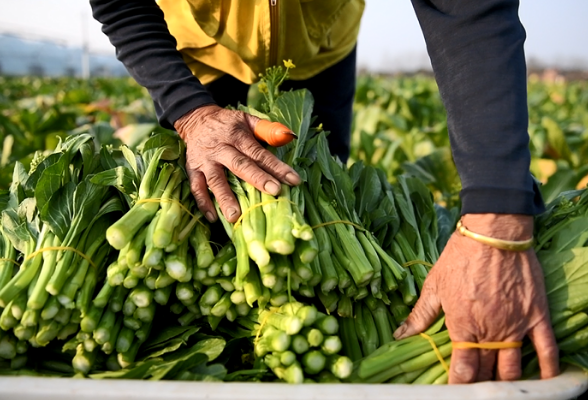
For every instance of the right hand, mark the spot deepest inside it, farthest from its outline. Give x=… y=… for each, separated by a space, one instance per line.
x=217 y=138
x=488 y=295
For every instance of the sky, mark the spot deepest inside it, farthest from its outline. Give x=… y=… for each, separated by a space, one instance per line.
x=390 y=38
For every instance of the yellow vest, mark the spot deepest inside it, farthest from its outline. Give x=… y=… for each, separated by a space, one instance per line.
x=244 y=37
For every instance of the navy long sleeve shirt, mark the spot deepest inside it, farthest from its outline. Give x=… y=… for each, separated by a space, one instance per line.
x=476 y=49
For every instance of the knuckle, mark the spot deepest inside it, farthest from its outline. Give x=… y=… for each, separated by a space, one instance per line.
x=257 y=152
x=202 y=203
x=240 y=162
x=215 y=179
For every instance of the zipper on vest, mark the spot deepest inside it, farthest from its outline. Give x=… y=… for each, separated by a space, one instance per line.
x=274 y=29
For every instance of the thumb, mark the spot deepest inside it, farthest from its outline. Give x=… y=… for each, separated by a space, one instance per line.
x=424 y=313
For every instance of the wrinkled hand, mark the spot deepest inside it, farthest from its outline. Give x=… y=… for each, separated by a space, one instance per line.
x=217 y=138
x=488 y=295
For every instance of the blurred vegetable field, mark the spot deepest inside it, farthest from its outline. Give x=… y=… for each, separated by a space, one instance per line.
x=36 y=112
x=399 y=125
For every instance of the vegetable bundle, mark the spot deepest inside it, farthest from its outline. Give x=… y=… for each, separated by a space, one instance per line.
x=109 y=271
x=562 y=248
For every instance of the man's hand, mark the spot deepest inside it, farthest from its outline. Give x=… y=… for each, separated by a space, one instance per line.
x=488 y=295
x=217 y=138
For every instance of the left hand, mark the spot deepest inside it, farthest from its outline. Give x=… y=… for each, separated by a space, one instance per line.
x=488 y=295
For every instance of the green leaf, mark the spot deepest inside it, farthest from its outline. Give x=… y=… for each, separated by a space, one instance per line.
x=575 y=234
x=211 y=347
x=86 y=203
x=565 y=285
x=138 y=370
x=563 y=179
x=438 y=171
x=171 y=369
x=17 y=229
x=58 y=211
x=355 y=172
x=370 y=190
x=172 y=144
x=167 y=341
x=557 y=139
x=120 y=177
x=323 y=156
x=580 y=360
x=131 y=159
x=90 y=160
x=203 y=371
x=52 y=178
x=183 y=332
x=446 y=221
x=253 y=111
x=4 y=199
x=245 y=374
x=107 y=159
x=294 y=109
x=17 y=188
x=72 y=144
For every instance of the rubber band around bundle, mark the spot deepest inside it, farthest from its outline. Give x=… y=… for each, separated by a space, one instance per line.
x=66 y=248
x=339 y=222
x=10 y=260
x=265 y=318
x=257 y=205
x=487 y=345
x=413 y=262
x=436 y=350
x=179 y=203
x=470 y=345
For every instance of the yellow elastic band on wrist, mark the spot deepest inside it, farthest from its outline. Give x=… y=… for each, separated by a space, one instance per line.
x=511 y=245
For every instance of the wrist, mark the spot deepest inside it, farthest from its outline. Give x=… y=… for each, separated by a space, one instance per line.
x=513 y=227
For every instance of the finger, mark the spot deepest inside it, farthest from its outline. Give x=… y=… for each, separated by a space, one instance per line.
x=216 y=180
x=546 y=347
x=424 y=313
x=464 y=365
x=487 y=362
x=200 y=191
x=269 y=162
x=508 y=365
x=246 y=169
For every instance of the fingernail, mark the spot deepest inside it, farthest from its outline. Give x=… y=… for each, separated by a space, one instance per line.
x=210 y=216
x=231 y=212
x=400 y=331
x=292 y=178
x=272 y=188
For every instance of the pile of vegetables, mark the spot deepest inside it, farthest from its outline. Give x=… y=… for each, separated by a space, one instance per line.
x=108 y=270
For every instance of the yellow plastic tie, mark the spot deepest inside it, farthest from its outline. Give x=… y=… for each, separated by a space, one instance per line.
x=261 y=204
x=265 y=318
x=413 y=262
x=437 y=352
x=339 y=222
x=179 y=203
x=10 y=260
x=487 y=345
x=65 y=248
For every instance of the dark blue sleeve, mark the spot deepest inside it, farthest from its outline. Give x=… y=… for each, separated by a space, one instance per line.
x=138 y=31
x=476 y=49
